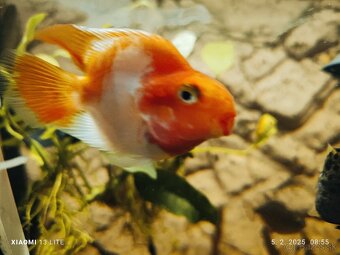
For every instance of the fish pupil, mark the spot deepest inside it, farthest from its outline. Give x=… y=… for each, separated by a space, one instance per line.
x=186 y=95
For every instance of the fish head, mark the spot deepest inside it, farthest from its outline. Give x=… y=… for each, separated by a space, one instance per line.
x=183 y=109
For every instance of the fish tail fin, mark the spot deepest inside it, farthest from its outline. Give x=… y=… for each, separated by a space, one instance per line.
x=42 y=93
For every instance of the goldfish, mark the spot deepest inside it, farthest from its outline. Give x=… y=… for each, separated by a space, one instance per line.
x=137 y=98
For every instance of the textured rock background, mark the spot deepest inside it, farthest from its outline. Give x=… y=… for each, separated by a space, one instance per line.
x=267 y=195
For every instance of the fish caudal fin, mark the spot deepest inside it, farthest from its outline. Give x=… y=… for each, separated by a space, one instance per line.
x=42 y=93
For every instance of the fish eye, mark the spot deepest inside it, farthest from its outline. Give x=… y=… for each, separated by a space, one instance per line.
x=188 y=94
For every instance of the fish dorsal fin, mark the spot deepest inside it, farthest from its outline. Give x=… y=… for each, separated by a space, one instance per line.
x=85 y=128
x=82 y=42
x=72 y=38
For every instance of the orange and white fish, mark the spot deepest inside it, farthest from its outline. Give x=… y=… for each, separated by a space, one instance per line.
x=138 y=97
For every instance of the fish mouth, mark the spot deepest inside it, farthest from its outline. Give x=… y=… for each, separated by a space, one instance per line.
x=227 y=124
x=229 y=127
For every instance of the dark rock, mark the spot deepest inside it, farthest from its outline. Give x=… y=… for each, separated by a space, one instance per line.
x=333 y=67
x=328 y=195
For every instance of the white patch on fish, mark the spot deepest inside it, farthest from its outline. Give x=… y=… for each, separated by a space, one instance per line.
x=117 y=114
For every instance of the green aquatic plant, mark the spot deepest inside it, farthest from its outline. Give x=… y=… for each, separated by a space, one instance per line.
x=28 y=36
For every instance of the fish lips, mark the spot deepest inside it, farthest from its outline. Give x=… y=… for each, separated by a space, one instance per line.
x=225 y=125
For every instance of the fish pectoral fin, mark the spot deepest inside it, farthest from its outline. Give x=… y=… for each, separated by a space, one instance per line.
x=85 y=129
x=133 y=164
x=148 y=169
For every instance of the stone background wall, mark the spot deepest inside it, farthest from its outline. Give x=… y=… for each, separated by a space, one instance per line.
x=267 y=195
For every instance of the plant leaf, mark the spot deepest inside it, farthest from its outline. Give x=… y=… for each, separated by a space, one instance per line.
x=48 y=133
x=185 y=42
x=219 y=56
x=175 y=194
x=266 y=127
x=28 y=36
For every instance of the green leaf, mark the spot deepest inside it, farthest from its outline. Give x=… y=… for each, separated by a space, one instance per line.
x=48 y=133
x=28 y=36
x=219 y=56
x=266 y=127
x=175 y=194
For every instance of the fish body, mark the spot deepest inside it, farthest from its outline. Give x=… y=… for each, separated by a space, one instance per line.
x=138 y=98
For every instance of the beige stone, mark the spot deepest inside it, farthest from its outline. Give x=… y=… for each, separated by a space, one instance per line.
x=206 y=181
x=262 y=62
x=293 y=91
x=241 y=231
